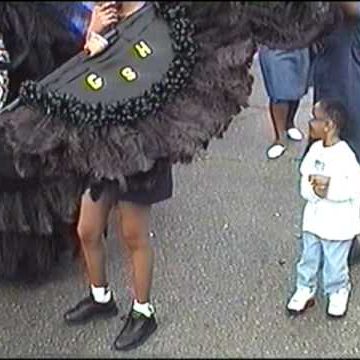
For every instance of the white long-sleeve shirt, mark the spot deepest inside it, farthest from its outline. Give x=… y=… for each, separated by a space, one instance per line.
x=337 y=217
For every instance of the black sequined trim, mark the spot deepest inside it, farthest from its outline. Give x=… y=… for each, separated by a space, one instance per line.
x=78 y=113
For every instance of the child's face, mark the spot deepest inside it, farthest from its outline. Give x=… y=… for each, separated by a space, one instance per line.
x=320 y=125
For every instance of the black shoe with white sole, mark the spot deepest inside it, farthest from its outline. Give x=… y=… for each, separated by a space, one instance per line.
x=88 y=309
x=136 y=331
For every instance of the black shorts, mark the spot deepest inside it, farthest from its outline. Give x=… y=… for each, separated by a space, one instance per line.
x=144 y=188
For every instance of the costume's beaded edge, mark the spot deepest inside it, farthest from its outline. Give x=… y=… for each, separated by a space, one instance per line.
x=79 y=113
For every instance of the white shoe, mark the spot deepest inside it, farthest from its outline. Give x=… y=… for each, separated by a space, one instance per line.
x=301 y=300
x=275 y=151
x=295 y=134
x=338 y=302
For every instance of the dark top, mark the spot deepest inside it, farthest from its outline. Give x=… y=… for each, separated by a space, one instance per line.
x=331 y=66
x=351 y=132
x=337 y=76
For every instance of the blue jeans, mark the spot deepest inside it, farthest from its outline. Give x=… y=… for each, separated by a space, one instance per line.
x=335 y=268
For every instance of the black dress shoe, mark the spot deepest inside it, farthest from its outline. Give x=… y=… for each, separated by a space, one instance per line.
x=135 y=332
x=89 y=309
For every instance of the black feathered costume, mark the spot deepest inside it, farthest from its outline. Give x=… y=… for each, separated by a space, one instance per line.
x=37 y=216
x=162 y=105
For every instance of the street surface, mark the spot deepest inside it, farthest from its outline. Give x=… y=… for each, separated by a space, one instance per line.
x=226 y=246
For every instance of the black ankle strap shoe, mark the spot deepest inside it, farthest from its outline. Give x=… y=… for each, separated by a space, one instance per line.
x=136 y=331
x=88 y=309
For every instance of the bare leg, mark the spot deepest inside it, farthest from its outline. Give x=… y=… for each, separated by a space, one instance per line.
x=279 y=113
x=92 y=223
x=133 y=224
x=294 y=105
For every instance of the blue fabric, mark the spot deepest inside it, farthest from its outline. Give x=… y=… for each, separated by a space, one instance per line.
x=81 y=16
x=337 y=76
x=74 y=15
x=285 y=73
x=352 y=129
x=335 y=269
x=331 y=67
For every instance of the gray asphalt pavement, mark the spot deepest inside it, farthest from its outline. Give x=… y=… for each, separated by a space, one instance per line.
x=226 y=246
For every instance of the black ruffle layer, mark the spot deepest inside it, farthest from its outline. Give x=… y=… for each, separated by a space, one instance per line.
x=226 y=35
x=37 y=223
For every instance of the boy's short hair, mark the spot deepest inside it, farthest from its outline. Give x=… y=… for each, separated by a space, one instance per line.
x=336 y=111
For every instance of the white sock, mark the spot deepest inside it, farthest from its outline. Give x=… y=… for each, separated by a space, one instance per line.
x=101 y=294
x=146 y=308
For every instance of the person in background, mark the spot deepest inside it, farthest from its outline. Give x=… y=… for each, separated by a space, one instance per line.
x=286 y=79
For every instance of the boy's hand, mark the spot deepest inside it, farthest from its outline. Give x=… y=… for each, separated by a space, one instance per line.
x=320 y=185
x=321 y=190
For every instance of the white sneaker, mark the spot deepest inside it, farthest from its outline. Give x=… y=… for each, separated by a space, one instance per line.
x=338 y=302
x=295 y=134
x=275 y=151
x=301 y=300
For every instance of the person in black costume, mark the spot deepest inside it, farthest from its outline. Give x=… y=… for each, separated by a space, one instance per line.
x=133 y=217
x=124 y=150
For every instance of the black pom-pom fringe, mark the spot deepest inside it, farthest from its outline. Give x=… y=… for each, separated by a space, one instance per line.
x=79 y=113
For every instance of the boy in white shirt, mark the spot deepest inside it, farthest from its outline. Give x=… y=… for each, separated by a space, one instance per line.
x=330 y=183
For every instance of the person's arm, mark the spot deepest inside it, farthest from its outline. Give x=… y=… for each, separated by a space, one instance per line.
x=307 y=169
x=103 y=17
x=4 y=76
x=307 y=191
x=345 y=187
x=350 y=8
x=307 y=163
